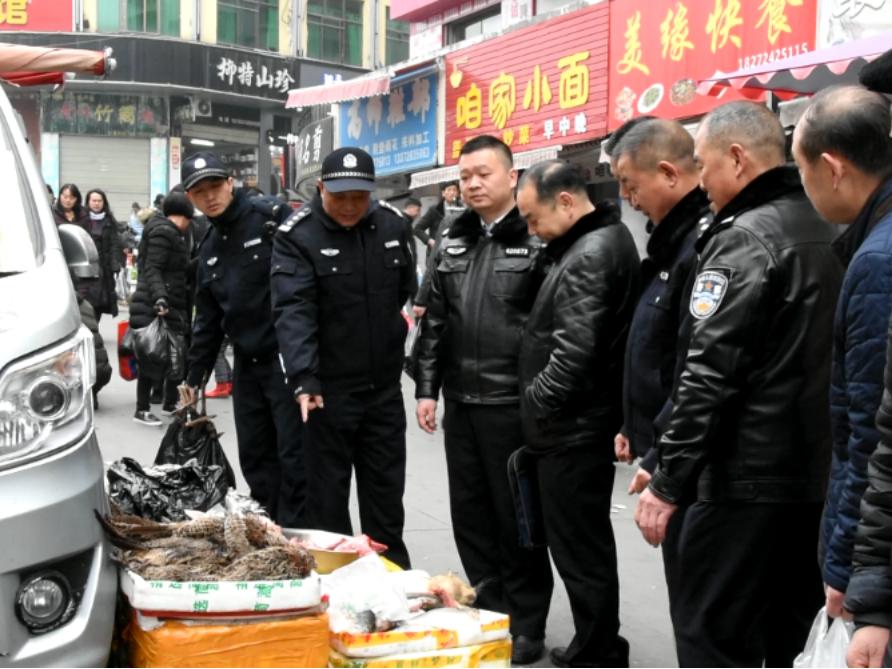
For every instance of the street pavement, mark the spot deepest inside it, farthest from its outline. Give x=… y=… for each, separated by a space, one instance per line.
x=644 y=609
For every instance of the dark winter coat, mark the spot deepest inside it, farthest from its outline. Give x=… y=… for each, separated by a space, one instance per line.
x=105 y=235
x=869 y=594
x=426 y=227
x=750 y=419
x=859 y=345
x=652 y=350
x=337 y=293
x=482 y=290
x=163 y=266
x=103 y=367
x=571 y=355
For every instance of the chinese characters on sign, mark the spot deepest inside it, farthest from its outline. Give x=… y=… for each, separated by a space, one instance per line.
x=48 y=15
x=244 y=73
x=665 y=46
x=548 y=95
x=109 y=115
x=398 y=130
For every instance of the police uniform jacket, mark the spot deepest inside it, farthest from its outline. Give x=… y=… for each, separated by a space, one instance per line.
x=571 y=356
x=337 y=295
x=233 y=296
x=652 y=351
x=751 y=421
x=482 y=290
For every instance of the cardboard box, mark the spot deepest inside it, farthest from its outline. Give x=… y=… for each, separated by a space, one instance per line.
x=493 y=654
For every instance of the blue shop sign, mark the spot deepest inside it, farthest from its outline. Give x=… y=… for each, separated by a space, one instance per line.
x=399 y=130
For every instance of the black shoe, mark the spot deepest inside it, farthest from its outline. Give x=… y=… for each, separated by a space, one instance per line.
x=526 y=650
x=618 y=658
x=147 y=418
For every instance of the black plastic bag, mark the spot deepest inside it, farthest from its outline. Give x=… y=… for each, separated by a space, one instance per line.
x=163 y=494
x=192 y=436
x=151 y=345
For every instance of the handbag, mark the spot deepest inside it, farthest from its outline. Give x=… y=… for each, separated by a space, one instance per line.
x=523 y=481
x=127 y=366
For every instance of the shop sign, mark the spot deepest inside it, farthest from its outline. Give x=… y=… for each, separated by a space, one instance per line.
x=246 y=74
x=539 y=86
x=311 y=145
x=37 y=15
x=108 y=115
x=661 y=48
x=399 y=130
x=850 y=20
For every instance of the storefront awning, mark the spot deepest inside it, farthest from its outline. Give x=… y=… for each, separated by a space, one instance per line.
x=803 y=74
x=366 y=86
x=522 y=161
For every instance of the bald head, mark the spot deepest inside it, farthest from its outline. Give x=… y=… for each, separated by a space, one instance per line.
x=656 y=140
x=752 y=126
x=850 y=122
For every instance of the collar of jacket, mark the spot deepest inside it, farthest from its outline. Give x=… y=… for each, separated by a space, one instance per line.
x=768 y=186
x=666 y=237
x=877 y=206
x=606 y=213
x=329 y=222
x=511 y=228
x=233 y=212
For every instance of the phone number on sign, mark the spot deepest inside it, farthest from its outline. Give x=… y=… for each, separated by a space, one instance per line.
x=770 y=56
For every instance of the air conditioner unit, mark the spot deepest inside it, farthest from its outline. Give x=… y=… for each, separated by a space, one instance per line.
x=201 y=107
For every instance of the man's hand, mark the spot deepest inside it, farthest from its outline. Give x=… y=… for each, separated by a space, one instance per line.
x=868 y=646
x=622 y=448
x=161 y=307
x=426 y=412
x=835 y=599
x=308 y=403
x=432 y=242
x=639 y=481
x=188 y=395
x=652 y=516
x=418 y=310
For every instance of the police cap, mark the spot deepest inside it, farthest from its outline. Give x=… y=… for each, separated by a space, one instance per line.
x=200 y=166
x=348 y=168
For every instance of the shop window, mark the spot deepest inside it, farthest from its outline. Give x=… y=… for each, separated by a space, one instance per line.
x=486 y=22
x=149 y=16
x=397 y=40
x=109 y=18
x=334 y=30
x=253 y=23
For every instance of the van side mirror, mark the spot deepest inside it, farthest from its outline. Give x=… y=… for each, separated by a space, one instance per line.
x=80 y=251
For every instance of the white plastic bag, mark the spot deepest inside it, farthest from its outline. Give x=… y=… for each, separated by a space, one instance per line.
x=827 y=643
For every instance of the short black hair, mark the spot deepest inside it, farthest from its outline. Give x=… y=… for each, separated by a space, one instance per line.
x=877 y=76
x=488 y=142
x=655 y=140
x=851 y=121
x=750 y=124
x=412 y=200
x=551 y=177
x=620 y=132
x=447 y=185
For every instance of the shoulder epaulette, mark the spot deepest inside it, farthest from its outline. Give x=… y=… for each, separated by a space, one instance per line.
x=387 y=205
x=294 y=219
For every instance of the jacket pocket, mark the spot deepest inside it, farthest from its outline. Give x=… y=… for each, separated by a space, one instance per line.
x=395 y=258
x=511 y=277
x=333 y=268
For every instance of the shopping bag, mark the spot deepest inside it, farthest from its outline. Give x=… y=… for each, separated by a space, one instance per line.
x=159 y=351
x=827 y=642
x=192 y=436
x=127 y=366
x=524 y=483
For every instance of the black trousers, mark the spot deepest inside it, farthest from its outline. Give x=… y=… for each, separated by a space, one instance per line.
x=365 y=431
x=671 y=550
x=509 y=579
x=268 y=428
x=144 y=385
x=576 y=486
x=749 y=584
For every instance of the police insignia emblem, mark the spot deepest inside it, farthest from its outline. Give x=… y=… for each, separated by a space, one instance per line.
x=456 y=250
x=212 y=261
x=520 y=251
x=392 y=244
x=200 y=164
x=331 y=253
x=349 y=161
x=709 y=291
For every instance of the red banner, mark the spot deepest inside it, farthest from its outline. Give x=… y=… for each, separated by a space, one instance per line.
x=37 y=15
x=540 y=86
x=661 y=48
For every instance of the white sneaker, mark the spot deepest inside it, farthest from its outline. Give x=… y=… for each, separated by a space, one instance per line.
x=147 y=418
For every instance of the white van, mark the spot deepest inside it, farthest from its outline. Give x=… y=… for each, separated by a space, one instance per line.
x=57 y=585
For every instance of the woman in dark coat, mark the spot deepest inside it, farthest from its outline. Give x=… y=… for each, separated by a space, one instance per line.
x=104 y=230
x=69 y=207
x=162 y=290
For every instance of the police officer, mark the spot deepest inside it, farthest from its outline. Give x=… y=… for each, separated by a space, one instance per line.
x=483 y=284
x=341 y=272
x=233 y=299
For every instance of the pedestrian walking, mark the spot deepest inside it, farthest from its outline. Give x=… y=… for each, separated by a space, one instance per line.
x=483 y=284
x=571 y=389
x=222 y=375
x=428 y=225
x=103 y=229
x=161 y=291
x=341 y=272
x=69 y=207
x=233 y=299
x=844 y=153
x=749 y=432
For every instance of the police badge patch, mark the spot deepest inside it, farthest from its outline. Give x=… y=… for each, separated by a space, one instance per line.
x=709 y=291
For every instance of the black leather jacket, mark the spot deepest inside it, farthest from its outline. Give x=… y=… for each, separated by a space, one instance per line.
x=751 y=419
x=481 y=293
x=571 y=358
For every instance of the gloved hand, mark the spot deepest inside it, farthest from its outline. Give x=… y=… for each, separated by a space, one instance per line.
x=161 y=307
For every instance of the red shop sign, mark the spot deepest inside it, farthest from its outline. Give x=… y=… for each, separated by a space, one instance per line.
x=544 y=85
x=38 y=15
x=661 y=48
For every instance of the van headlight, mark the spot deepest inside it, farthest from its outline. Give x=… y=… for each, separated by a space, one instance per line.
x=43 y=392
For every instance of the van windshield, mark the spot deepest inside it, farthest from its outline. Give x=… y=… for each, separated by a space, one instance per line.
x=19 y=233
